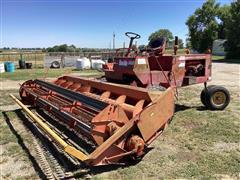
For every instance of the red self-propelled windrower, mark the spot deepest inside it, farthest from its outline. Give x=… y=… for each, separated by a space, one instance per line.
x=121 y=121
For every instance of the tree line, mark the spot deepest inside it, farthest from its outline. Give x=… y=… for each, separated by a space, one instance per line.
x=72 y=48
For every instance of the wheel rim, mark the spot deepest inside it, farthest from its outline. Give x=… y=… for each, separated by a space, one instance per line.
x=219 y=98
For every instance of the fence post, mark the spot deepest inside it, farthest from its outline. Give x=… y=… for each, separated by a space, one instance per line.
x=35 y=60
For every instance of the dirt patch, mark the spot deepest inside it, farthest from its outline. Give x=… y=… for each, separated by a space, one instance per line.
x=20 y=168
x=187 y=156
x=9 y=85
x=226 y=147
x=227 y=177
x=227 y=75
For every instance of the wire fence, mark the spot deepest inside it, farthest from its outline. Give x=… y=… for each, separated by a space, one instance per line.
x=45 y=59
x=37 y=59
x=41 y=60
x=69 y=59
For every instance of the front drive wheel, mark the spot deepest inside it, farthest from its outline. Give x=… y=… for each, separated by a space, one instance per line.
x=216 y=97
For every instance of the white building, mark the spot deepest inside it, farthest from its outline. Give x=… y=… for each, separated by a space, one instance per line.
x=218 y=47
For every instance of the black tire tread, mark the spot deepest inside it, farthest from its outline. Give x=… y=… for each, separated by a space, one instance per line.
x=204 y=97
x=210 y=91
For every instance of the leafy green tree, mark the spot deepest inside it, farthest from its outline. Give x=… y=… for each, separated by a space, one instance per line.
x=62 y=48
x=203 y=26
x=188 y=43
x=223 y=15
x=233 y=31
x=77 y=50
x=71 y=48
x=171 y=43
x=55 y=48
x=50 y=49
x=141 y=47
x=160 y=33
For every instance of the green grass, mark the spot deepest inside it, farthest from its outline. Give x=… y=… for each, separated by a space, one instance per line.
x=25 y=74
x=211 y=165
x=6 y=100
x=218 y=57
x=223 y=59
x=6 y=136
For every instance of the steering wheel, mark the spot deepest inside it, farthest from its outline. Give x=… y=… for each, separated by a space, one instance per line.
x=132 y=35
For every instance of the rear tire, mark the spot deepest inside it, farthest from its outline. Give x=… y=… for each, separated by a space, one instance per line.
x=203 y=95
x=216 y=97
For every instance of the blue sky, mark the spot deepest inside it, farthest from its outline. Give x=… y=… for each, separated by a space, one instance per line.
x=44 y=23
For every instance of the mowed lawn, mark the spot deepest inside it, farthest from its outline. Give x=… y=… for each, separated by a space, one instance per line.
x=198 y=143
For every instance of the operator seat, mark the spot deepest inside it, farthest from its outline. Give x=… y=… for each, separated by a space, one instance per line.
x=157 y=46
x=157 y=43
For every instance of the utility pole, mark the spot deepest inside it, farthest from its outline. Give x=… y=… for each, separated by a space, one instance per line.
x=124 y=44
x=110 y=45
x=113 y=40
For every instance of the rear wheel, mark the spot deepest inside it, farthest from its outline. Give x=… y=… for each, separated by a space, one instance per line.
x=215 y=97
x=203 y=95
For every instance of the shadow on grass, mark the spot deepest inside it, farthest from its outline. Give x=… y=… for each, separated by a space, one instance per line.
x=79 y=70
x=87 y=70
x=180 y=107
